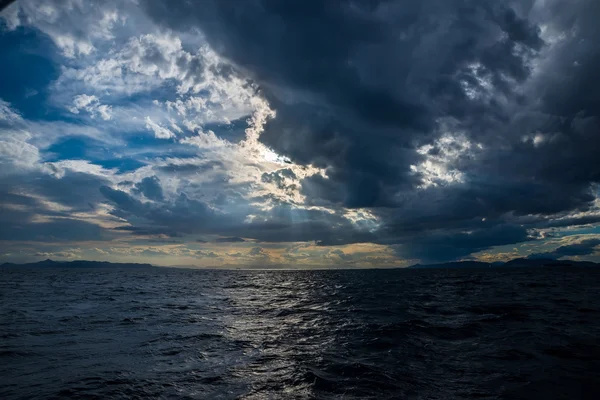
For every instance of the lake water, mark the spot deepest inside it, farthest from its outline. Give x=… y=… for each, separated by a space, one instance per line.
x=415 y=334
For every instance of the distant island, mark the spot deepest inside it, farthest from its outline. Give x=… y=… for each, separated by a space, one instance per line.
x=75 y=264
x=517 y=262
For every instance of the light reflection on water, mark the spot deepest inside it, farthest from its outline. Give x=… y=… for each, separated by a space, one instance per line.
x=307 y=334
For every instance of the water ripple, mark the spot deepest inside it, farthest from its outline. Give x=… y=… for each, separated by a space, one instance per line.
x=169 y=333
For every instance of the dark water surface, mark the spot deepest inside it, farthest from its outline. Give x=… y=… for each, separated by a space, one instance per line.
x=418 y=334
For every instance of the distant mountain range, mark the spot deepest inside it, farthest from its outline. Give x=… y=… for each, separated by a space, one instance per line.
x=75 y=264
x=517 y=262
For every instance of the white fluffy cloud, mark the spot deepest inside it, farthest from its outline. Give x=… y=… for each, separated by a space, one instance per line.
x=160 y=132
x=73 y=25
x=17 y=155
x=138 y=64
x=91 y=105
x=442 y=160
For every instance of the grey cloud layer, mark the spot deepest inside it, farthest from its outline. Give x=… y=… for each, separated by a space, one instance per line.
x=458 y=125
x=583 y=248
x=360 y=86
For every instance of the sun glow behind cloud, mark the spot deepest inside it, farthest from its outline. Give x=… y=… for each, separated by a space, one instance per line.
x=181 y=137
x=97 y=86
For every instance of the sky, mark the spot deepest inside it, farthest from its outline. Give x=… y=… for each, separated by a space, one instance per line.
x=299 y=134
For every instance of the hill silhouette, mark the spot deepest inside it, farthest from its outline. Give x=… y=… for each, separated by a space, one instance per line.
x=517 y=262
x=75 y=264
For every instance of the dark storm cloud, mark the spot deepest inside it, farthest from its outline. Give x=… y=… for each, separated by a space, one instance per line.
x=190 y=168
x=283 y=223
x=72 y=189
x=140 y=230
x=181 y=215
x=5 y=3
x=29 y=216
x=19 y=226
x=360 y=67
x=358 y=86
x=233 y=239
x=287 y=223
x=149 y=187
x=569 y=221
x=444 y=246
x=583 y=248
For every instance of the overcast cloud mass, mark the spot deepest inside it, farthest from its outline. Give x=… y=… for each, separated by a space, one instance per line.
x=339 y=133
